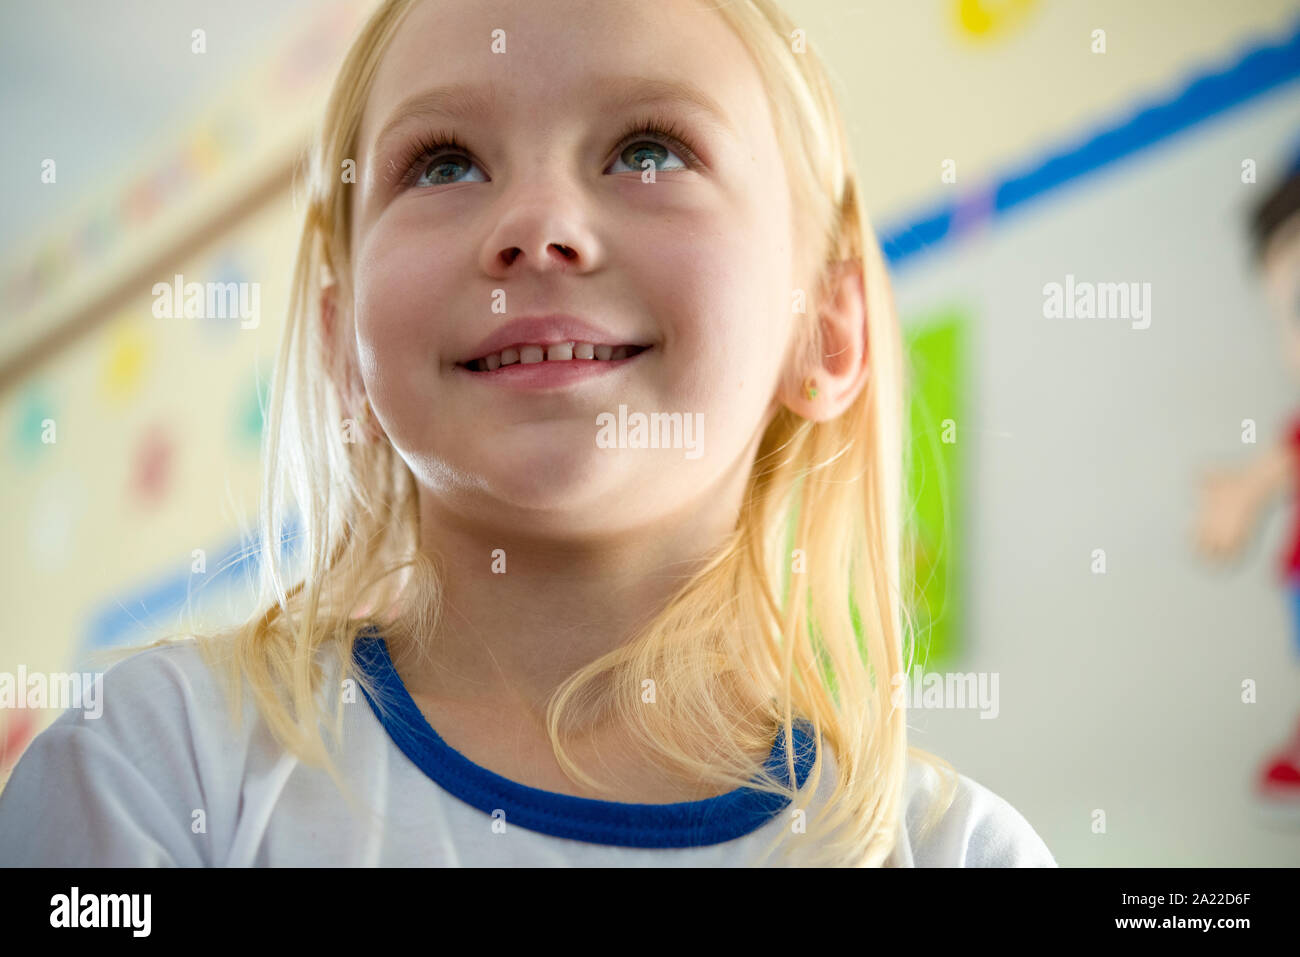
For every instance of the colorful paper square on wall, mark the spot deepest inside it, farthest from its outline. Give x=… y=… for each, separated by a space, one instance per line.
x=934 y=500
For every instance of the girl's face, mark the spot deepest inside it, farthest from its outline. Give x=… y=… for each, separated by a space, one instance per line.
x=540 y=209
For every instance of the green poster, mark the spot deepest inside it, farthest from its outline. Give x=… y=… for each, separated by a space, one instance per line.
x=934 y=505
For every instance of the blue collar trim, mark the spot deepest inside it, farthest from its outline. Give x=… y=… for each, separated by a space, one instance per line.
x=684 y=824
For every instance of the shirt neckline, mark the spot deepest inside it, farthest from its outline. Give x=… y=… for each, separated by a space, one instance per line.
x=683 y=824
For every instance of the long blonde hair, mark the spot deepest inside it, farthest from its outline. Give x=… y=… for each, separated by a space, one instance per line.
x=823 y=644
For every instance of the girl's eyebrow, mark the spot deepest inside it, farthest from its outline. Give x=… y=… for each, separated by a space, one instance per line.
x=617 y=93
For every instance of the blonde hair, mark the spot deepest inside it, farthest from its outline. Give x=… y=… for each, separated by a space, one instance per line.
x=827 y=650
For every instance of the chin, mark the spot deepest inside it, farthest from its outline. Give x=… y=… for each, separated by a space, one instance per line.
x=555 y=480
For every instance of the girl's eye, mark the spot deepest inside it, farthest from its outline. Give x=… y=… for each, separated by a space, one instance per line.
x=442 y=159
x=644 y=154
x=444 y=167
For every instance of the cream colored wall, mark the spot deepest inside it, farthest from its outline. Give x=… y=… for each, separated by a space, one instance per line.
x=918 y=88
x=79 y=534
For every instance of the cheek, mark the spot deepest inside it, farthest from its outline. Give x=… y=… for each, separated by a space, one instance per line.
x=399 y=289
x=720 y=315
x=719 y=288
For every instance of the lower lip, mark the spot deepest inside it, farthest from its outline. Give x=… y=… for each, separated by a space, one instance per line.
x=549 y=374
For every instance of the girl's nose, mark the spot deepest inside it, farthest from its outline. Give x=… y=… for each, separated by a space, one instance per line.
x=540 y=238
x=554 y=250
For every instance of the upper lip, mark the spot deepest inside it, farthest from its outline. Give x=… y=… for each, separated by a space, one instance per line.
x=545 y=331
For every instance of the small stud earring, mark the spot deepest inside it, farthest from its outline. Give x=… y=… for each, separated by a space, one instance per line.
x=810 y=387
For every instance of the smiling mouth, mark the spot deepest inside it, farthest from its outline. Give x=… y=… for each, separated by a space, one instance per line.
x=557 y=352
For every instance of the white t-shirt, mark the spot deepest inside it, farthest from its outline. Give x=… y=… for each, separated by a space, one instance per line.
x=161 y=777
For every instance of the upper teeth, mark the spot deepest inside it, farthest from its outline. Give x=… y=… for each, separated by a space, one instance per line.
x=560 y=352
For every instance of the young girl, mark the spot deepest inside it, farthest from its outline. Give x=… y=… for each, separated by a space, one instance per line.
x=528 y=629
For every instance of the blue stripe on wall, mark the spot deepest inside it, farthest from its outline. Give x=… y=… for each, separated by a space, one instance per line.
x=125 y=621
x=1259 y=70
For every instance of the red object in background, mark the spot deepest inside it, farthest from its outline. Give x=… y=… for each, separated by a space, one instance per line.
x=1279 y=778
x=1291 y=561
x=15 y=734
x=153 y=463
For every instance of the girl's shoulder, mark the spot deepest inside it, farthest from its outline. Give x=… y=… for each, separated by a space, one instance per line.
x=116 y=778
x=979 y=828
x=167 y=690
x=179 y=699
x=147 y=769
x=175 y=681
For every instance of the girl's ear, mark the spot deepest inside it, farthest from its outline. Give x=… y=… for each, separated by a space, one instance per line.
x=340 y=356
x=821 y=388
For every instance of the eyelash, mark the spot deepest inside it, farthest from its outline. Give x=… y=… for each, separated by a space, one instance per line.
x=424 y=149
